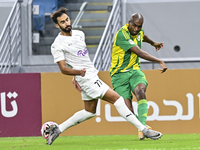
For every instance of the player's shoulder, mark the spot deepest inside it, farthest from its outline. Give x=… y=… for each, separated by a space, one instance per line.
x=121 y=29
x=123 y=33
x=57 y=43
x=78 y=32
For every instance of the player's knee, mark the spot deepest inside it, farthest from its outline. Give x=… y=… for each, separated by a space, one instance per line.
x=140 y=94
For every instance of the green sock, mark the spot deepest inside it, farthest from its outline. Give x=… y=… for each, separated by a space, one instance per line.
x=142 y=111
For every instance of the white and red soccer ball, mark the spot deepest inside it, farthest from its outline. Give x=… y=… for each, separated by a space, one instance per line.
x=46 y=128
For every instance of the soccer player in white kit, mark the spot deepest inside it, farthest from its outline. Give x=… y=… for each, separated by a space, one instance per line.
x=70 y=53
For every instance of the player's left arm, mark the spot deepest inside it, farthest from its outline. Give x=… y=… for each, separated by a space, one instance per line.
x=154 y=44
x=68 y=71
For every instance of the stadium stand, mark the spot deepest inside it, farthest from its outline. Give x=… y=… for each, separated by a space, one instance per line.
x=50 y=5
x=92 y=23
x=39 y=19
x=61 y=2
x=46 y=7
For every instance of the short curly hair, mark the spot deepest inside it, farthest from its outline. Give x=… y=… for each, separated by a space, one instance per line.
x=58 y=13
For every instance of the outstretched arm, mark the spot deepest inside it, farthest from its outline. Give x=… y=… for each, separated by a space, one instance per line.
x=135 y=49
x=154 y=44
x=68 y=71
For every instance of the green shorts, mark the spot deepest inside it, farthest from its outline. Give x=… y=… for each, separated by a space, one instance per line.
x=125 y=82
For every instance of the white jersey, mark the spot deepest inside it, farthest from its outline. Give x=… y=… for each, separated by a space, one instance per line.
x=73 y=50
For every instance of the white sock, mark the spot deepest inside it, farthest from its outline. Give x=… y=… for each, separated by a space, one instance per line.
x=77 y=118
x=127 y=114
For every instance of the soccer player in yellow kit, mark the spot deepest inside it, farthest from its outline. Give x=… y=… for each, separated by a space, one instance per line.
x=125 y=69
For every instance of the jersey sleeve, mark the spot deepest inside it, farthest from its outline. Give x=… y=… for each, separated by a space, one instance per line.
x=124 y=41
x=57 y=53
x=142 y=38
x=83 y=35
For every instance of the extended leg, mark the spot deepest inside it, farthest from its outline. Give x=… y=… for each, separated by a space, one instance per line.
x=78 y=117
x=123 y=110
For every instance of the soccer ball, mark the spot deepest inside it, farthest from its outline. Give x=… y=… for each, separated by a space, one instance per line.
x=46 y=127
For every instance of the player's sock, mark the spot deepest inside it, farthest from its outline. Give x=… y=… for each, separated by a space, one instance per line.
x=77 y=118
x=142 y=111
x=127 y=114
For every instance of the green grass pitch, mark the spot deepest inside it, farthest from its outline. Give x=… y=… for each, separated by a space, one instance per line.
x=107 y=142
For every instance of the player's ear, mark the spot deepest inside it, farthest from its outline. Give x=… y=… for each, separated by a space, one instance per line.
x=57 y=26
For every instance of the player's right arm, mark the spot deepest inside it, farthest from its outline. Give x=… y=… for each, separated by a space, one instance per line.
x=154 y=44
x=68 y=71
x=59 y=58
x=136 y=49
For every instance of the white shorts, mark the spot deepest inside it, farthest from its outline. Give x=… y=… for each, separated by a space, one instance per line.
x=93 y=88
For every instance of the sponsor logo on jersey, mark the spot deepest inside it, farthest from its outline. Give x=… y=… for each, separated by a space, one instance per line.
x=82 y=52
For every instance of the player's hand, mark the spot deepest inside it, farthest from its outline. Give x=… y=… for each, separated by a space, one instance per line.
x=158 y=45
x=82 y=72
x=164 y=67
x=76 y=85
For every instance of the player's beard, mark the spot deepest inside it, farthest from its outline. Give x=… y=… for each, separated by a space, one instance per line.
x=133 y=33
x=66 y=29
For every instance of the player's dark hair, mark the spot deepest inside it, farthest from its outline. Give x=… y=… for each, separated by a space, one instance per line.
x=58 y=13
